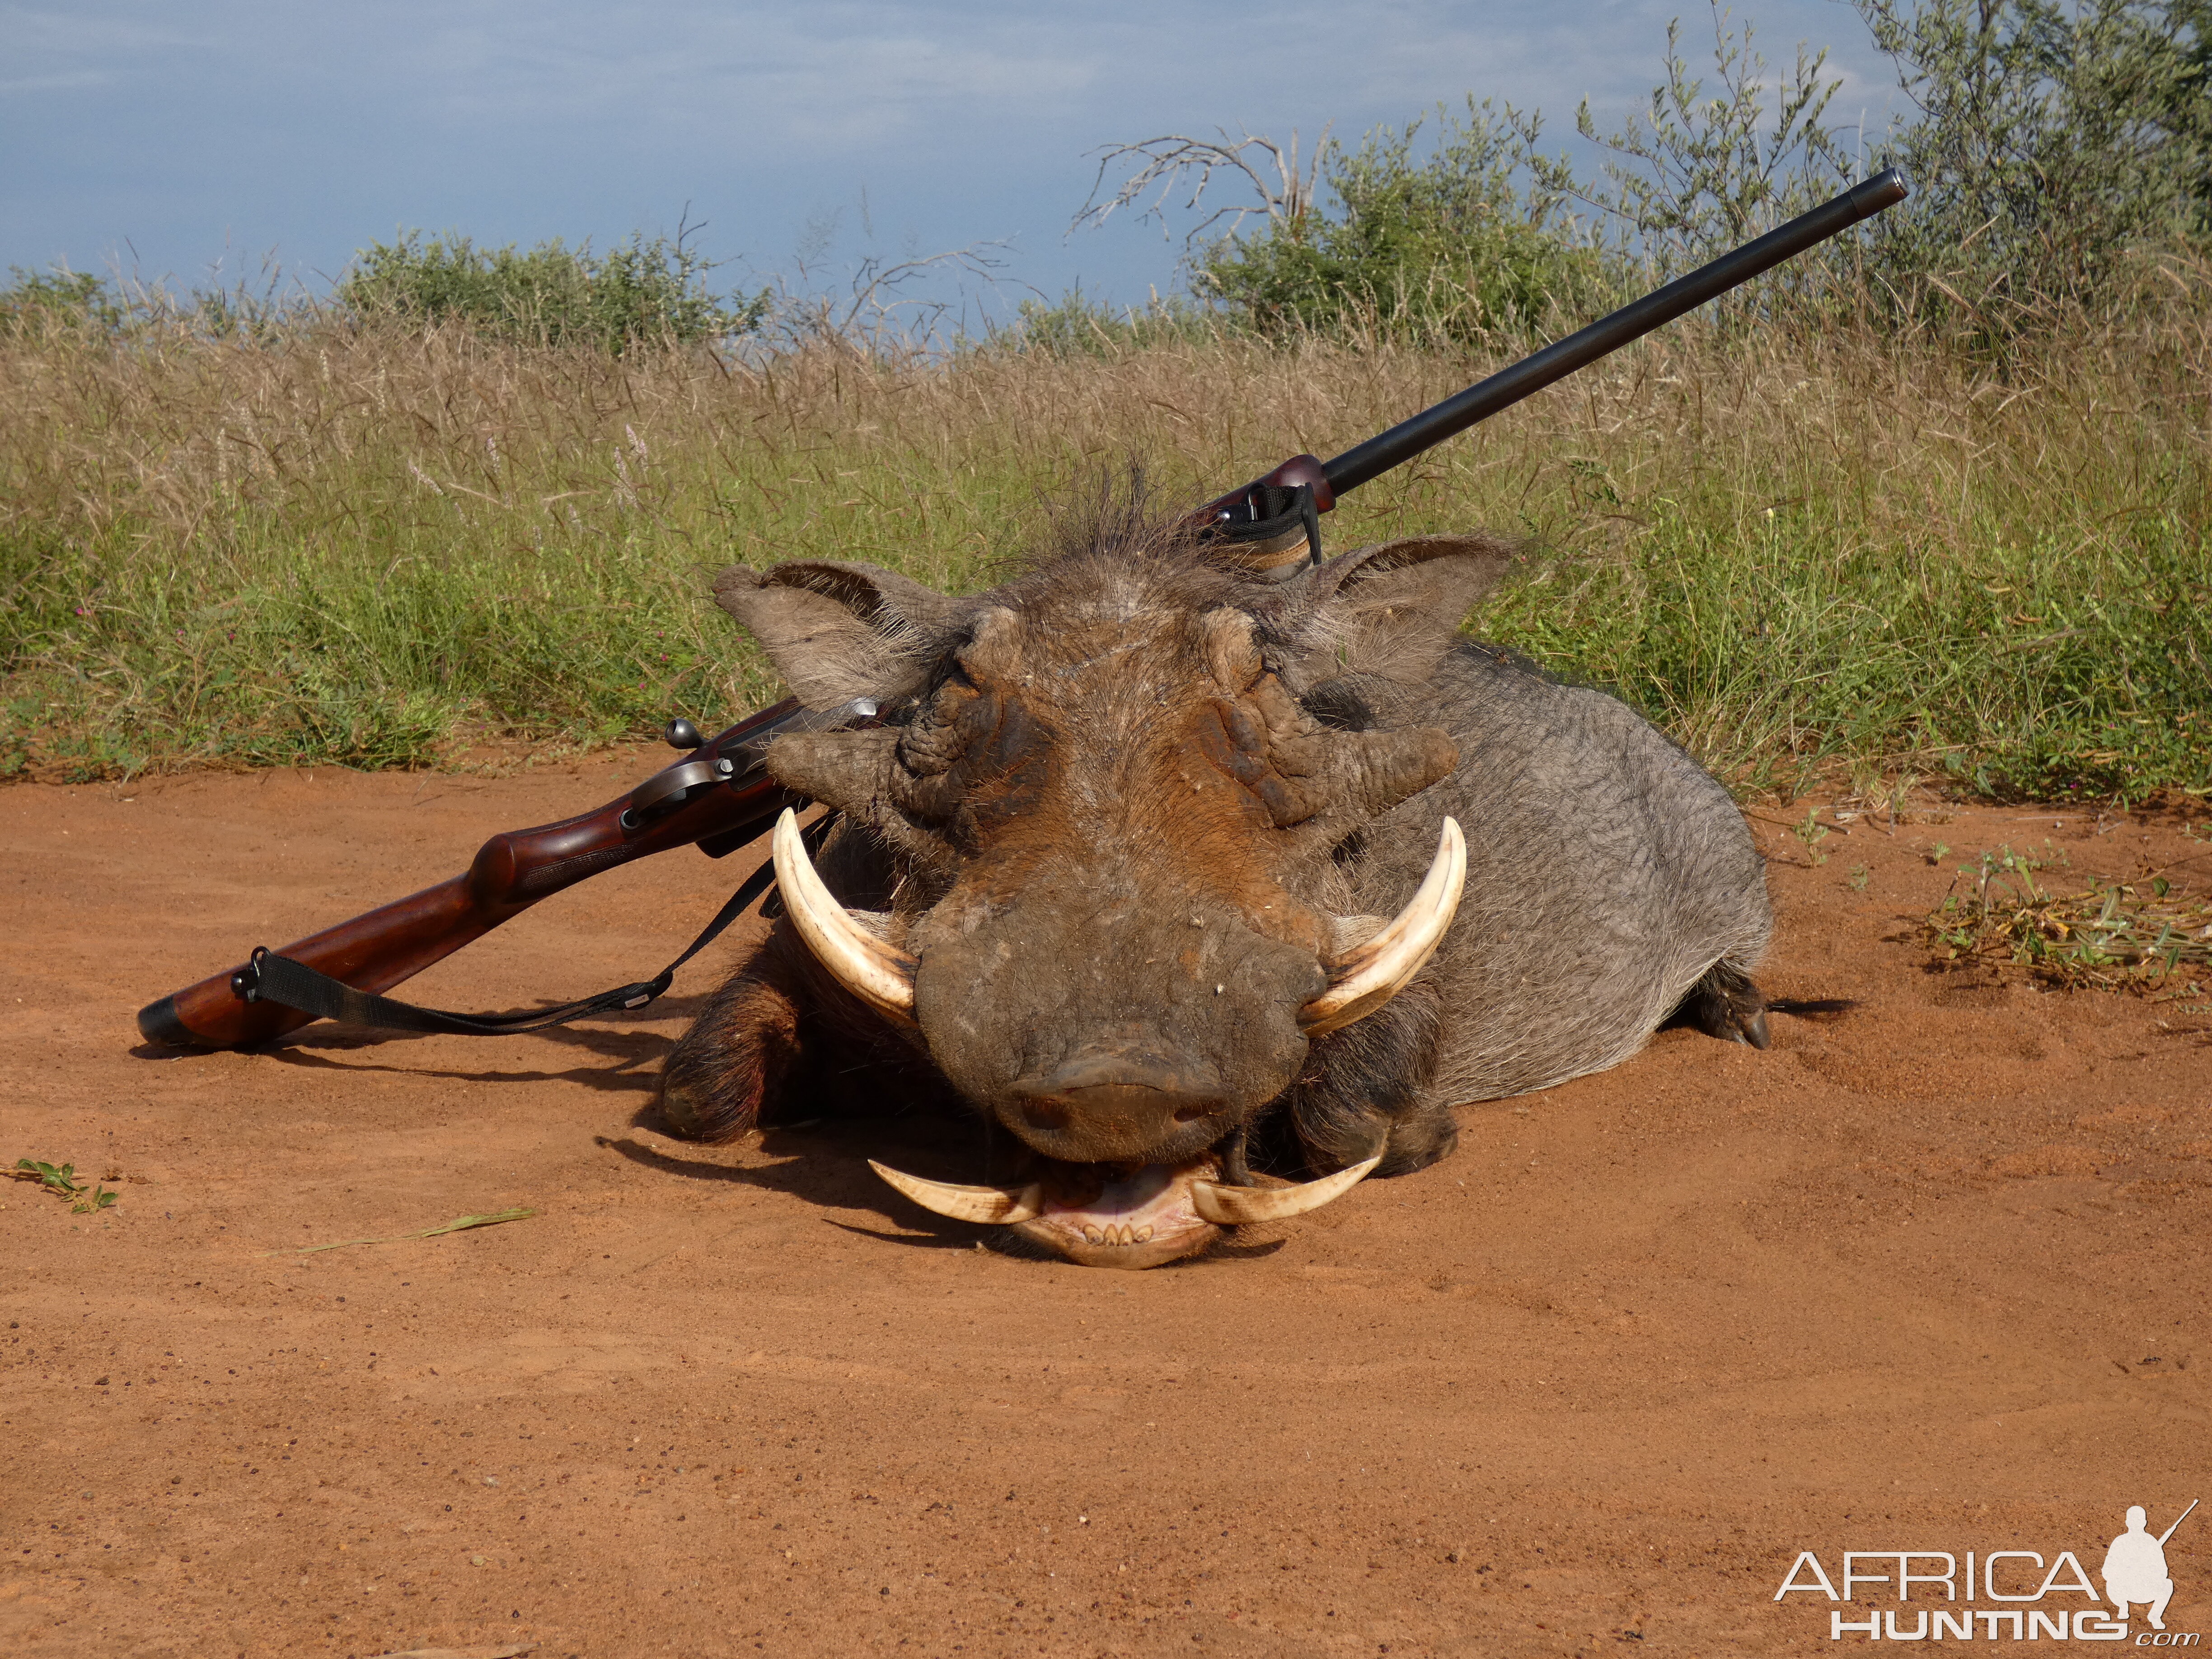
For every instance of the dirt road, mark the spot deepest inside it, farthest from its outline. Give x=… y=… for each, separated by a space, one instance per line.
x=1930 y=1277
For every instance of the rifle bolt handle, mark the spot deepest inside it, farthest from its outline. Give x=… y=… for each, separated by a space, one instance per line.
x=680 y=733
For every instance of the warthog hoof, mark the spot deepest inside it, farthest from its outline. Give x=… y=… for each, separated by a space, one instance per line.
x=1725 y=1004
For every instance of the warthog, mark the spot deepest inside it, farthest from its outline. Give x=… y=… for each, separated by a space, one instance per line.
x=1115 y=872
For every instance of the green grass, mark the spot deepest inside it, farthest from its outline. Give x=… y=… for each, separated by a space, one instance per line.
x=288 y=652
x=2028 y=670
x=1806 y=556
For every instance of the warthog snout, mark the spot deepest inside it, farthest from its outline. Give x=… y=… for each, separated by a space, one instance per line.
x=1107 y=1105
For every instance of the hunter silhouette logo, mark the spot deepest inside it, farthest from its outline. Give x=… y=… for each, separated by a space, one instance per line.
x=2033 y=1592
x=2135 y=1567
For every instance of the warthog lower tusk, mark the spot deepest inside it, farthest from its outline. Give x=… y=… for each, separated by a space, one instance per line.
x=1231 y=1206
x=1003 y=1204
x=1366 y=978
x=880 y=975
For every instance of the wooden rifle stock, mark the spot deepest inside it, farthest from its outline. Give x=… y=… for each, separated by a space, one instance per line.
x=718 y=798
x=723 y=801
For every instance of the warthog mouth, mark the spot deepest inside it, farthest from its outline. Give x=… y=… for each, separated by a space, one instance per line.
x=1135 y=1215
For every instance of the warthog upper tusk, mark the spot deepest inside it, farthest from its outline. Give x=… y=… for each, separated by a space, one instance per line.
x=880 y=975
x=1231 y=1206
x=1005 y=1204
x=1366 y=978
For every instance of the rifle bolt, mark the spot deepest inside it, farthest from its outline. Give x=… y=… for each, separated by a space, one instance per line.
x=682 y=734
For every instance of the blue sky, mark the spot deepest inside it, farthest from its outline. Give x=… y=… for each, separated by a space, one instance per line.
x=178 y=140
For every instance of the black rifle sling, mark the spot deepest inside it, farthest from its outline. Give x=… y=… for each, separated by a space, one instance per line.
x=1282 y=536
x=268 y=977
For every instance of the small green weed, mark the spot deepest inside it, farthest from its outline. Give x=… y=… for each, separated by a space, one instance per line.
x=60 y=1179
x=2113 y=936
x=1812 y=832
x=1859 y=876
x=2017 y=870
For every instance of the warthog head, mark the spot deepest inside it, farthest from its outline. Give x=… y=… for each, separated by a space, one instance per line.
x=1105 y=834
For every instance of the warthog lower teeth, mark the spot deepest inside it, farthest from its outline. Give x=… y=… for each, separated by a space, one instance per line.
x=1124 y=1233
x=1231 y=1206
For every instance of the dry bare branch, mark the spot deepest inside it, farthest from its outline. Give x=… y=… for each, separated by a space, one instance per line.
x=1163 y=163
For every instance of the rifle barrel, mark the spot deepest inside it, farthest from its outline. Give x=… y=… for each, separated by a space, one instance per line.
x=2178 y=1520
x=1562 y=357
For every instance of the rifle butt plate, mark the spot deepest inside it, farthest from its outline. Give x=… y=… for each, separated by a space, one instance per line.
x=159 y=1022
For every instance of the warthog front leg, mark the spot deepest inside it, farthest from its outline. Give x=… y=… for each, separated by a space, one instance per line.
x=1362 y=1093
x=735 y=1058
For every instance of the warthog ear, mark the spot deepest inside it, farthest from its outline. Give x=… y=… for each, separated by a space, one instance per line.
x=836 y=631
x=1394 y=609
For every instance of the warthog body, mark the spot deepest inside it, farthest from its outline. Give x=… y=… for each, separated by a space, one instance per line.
x=1133 y=811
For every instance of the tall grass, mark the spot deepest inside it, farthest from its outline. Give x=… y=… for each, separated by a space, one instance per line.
x=1798 y=551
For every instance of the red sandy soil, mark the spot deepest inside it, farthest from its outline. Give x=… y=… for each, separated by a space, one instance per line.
x=1932 y=1275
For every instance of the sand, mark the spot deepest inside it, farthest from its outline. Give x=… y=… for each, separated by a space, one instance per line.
x=1929 y=1276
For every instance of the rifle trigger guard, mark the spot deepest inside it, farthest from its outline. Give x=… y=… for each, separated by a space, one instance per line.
x=664 y=791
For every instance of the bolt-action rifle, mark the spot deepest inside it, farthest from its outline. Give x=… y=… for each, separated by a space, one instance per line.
x=721 y=796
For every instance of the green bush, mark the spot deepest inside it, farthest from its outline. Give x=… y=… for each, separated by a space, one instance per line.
x=2052 y=142
x=1470 y=238
x=552 y=295
x=97 y=309
x=2051 y=146
x=1081 y=327
x=1704 y=170
x=35 y=301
